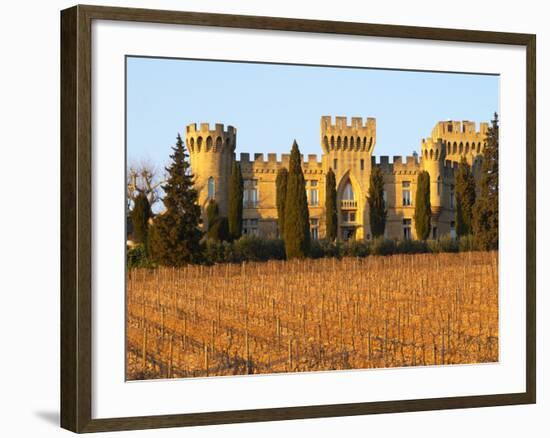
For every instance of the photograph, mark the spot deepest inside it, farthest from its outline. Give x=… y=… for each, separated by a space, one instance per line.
x=378 y=250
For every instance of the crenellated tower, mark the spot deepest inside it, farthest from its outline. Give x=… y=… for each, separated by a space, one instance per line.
x=461 y=139
x=212 y=153
x=433 y=162
x=347 y=150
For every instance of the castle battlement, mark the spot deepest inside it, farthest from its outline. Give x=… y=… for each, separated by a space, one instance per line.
x=452 y=128
x=259 y=162
x=357 y=136
x=204 y=128
x=407 y=164
x=205 y=139
x=433 y=150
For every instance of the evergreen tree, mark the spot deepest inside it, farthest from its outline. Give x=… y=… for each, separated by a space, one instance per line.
x=465 y=187
x=175 y=235
x=296 y=235
x=486 y=207
x=218 y=228
x=377 y=209
x=281 y=183
x=140 y=216
x=212 y=213
x=423 y=208
x=330 y=206
x=235 y=213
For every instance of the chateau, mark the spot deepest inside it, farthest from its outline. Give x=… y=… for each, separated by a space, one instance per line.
x=348 y=150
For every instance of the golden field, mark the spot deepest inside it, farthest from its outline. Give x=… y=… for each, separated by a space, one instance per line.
x=312 y=315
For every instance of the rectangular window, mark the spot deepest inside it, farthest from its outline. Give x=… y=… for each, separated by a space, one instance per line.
x=211 y=188
x=250 y=227
x=407 y=229
x=406 y=191
x=314 y=228
x=335 y=165
x=250 y=193
x=349 y=217
x=434 y=233
x=362 y=164
x=453 y=230
x=313 y=193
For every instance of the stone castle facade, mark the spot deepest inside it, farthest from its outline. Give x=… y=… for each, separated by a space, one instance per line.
x=348 y=150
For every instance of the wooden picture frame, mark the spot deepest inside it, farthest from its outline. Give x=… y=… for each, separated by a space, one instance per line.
x=76 y=217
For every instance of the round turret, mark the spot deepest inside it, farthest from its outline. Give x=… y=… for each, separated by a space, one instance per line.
x=433 y=161
x=211 y=153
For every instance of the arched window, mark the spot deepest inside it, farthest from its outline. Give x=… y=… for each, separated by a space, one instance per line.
x=218 y=143
x=332 y=142
x=325 y=142
x=208 y=143
x=348 y=195
x=211 y=188
x=338 y=142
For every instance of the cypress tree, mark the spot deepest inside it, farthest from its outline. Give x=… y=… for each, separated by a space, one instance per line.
x=296 y=235
x=486 y=207
x=377 y=209
x=212 y=213
x=465 y=187
x=140 y=216
x=218 y=228
x=235 y=213
x=281 y=183
x=175 y=235
x=330 y=206
x=423 y=209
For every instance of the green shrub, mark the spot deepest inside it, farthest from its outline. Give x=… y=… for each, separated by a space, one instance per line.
x=412 y=247
x=325 y=248
x=383 y=246
x=247 y=248
x=214 y=251
x=136 y=257
x=355 y=248
x=467 y=243
x=250 y=248
x=444 y=244
x=316 y=250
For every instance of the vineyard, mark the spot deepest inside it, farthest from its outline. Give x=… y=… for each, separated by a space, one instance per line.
x=310 y=315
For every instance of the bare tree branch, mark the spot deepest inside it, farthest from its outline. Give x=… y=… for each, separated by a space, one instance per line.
x=144 y=177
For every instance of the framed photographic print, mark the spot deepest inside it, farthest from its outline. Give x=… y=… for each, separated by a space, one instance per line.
x=269 y=218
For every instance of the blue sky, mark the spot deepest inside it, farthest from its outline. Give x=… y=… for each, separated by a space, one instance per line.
x=271 y=105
